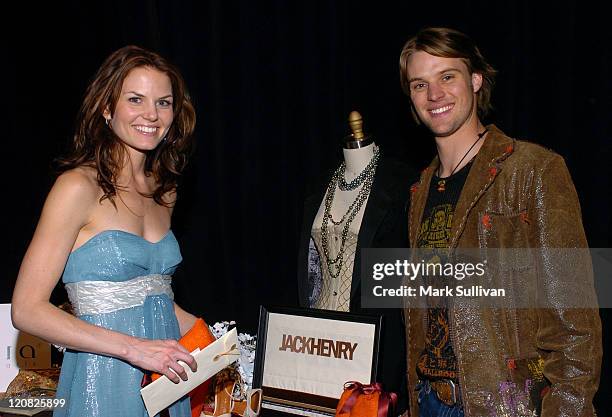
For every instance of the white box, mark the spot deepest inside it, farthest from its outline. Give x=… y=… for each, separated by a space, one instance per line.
x=19 y=350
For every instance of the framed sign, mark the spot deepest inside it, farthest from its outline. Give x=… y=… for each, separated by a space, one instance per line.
x=304 y=357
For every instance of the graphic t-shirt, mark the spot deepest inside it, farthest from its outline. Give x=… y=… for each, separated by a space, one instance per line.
x=438 y=361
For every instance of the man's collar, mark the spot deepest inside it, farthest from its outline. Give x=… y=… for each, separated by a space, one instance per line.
x=487 y=165
x=494 y=148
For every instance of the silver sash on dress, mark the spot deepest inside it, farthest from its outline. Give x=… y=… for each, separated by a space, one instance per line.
x=98 y=297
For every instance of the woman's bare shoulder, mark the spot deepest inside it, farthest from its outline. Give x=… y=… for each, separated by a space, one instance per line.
x=78 y=183
x=68 y=207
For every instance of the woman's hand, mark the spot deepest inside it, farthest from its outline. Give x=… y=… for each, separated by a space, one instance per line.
x=161 y=356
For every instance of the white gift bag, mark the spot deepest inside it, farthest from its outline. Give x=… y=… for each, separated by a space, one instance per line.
x=215 y=357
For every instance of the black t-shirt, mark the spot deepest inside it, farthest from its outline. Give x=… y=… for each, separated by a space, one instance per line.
x=438 y=361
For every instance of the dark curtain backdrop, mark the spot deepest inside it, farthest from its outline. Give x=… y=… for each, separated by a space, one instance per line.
x=273 y=83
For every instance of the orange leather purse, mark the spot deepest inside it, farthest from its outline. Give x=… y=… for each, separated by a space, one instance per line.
x=199 y=336
x=360 y=400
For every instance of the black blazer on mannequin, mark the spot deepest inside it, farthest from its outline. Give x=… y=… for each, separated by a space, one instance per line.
x=384 y=225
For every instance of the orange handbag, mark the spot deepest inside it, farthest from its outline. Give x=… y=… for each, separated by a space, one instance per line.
x=360 y=400
x=199 y=336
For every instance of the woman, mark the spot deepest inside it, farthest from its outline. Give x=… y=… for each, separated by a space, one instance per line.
x=105 y=229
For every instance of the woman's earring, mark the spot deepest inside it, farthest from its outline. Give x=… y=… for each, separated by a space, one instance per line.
x=107 y=121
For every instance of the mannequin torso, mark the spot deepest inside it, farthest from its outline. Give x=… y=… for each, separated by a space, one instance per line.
x=332 y=240
x=356 y=160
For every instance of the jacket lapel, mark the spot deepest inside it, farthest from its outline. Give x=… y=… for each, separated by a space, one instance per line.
x=487 y=166
x=419 y=192
x=376 y=208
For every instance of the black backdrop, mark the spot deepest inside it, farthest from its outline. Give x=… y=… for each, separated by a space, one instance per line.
x=273 y=83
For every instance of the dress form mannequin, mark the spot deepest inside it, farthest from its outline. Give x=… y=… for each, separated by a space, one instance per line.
x=382 y=222
x=359 y=150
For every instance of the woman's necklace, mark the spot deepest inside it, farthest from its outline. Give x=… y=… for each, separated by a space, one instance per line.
x=334 y=266
x=442 y=181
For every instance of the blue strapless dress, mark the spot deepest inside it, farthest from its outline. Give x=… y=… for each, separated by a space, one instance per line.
x=101 y=386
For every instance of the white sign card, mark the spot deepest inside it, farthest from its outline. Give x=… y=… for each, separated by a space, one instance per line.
x=311 y=355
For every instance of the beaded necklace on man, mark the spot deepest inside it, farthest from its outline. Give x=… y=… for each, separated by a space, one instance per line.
x=365 y=180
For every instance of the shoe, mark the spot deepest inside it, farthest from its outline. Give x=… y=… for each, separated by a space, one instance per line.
x=224 y=399
x=249 y=407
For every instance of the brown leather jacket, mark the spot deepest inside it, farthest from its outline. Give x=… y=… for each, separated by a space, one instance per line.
x=517 y=194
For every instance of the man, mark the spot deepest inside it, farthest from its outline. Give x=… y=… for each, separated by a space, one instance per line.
x=486 y=190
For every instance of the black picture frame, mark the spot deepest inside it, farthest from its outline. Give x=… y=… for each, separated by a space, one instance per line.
x=299 y=401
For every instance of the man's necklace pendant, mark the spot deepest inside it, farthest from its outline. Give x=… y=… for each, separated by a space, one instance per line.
x=442 y=185
x=442 y=181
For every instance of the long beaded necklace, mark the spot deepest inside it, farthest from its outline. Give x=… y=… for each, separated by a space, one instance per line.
x=442 y=181
x=358 y=180
x=366 y=178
